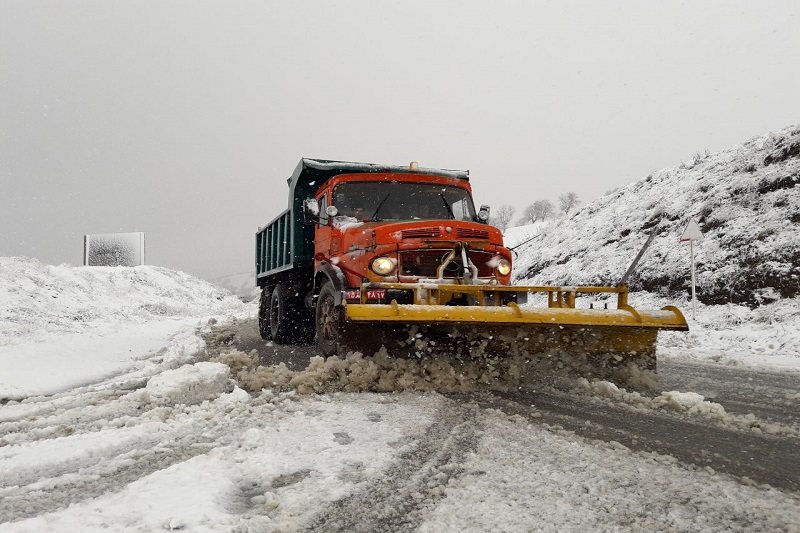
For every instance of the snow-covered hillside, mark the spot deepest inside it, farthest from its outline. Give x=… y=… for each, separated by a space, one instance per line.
x=38 y=299
x=64 y=326
x=746 y=200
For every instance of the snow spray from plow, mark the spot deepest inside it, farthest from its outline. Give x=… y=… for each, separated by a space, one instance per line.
x=616 y=344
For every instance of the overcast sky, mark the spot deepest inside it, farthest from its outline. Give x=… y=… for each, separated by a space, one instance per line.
x=183 y=119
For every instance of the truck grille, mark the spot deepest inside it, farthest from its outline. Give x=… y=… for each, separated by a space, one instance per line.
x=421 y=233
x=469 y=233
x=424 y=263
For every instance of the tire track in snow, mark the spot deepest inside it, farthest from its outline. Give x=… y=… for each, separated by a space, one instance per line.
x=416 y=481
x=86 y=481
x=38 y=490
x=81 y=413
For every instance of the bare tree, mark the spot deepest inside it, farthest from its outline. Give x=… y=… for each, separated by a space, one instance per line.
x=543 y=209
x=527 y=216
x=502 y=218
x=538 y=210
x=568 y=201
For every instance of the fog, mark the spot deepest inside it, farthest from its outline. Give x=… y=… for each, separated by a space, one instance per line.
x=183 y=119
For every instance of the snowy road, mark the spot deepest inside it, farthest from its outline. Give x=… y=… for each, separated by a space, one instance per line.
x=172 y=441
x=747 y=423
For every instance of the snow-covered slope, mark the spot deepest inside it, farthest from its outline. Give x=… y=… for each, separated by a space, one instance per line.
x=746 y=200
x=38 y=299
x=64 y=326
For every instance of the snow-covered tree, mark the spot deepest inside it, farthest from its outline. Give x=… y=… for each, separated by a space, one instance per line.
x=538 y=211
x=502 y=218
x=568 y=201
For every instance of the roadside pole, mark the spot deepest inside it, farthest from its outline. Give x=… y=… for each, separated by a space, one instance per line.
x=692 y=233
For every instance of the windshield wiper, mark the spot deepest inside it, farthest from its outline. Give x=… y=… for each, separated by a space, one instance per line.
x=379 y=206
x=447 y=206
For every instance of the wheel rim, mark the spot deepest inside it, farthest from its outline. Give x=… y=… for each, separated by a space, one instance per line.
x=328 y=321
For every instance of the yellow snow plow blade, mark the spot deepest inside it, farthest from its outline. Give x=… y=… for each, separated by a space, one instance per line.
x=500 y=305
x=512 y=314
x=498 y=321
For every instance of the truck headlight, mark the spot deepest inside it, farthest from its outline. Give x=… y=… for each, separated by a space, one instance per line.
x=383 y=266
x=503 y=267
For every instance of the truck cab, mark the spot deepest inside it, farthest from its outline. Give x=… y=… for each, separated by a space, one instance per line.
x=405 y=228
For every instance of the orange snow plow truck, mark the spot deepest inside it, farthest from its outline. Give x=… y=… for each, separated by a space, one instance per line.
x=373 y=256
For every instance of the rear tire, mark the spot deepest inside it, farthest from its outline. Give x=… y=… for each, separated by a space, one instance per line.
x=328 y=320
x=279 y=319
x=288 y=319
x=263 y=315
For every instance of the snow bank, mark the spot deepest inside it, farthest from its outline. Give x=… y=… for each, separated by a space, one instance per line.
x=64 y=326
x=37 y=299
x=731 y=334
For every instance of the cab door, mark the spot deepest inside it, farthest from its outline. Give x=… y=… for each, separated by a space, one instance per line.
x=323 y=231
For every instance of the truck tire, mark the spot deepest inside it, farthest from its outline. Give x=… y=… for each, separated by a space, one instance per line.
x=279 y=317
x=328 y=320
x=290 y=322
x=263 y=314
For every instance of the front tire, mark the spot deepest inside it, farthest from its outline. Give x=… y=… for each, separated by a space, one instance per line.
x=328 y=320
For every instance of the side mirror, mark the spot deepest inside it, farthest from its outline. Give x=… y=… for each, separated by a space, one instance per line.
x=483 y=214
x=310 y=211
x=331 y=211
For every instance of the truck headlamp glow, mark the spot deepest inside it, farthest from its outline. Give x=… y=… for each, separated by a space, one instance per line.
x=383 y=265
x=503 y=267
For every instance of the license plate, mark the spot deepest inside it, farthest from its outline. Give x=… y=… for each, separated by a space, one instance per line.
x=372 y=294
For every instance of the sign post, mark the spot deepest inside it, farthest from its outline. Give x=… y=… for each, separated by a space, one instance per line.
x=692 y=233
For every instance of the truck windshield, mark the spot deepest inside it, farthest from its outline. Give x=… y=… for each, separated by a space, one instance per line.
x=393 y=200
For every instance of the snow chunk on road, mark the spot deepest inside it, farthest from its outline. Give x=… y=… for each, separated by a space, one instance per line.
x=190 y=384
x=688 y=401
x=673 y=400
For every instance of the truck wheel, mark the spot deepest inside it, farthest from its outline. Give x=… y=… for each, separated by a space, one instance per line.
x=328 y=320
x=263 y=315
x=279 y=320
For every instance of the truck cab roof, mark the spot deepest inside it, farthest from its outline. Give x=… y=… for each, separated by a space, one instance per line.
x=310 y=174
